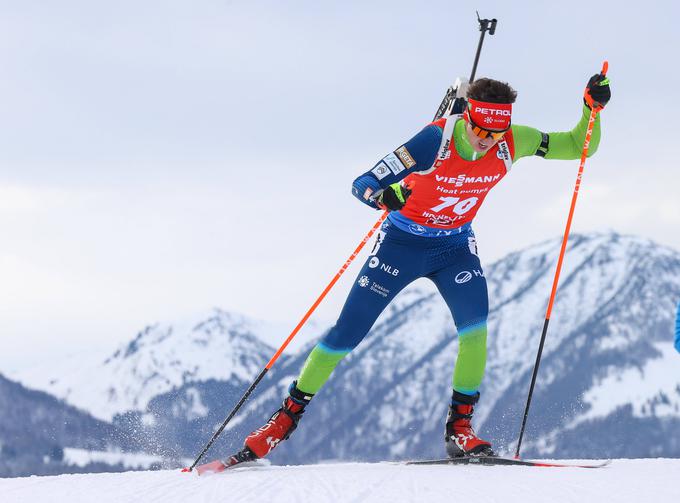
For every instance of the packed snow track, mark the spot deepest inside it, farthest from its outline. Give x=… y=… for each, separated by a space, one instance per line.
x=625 y=481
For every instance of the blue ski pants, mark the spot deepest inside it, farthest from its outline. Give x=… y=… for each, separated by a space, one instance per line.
x=397 y=259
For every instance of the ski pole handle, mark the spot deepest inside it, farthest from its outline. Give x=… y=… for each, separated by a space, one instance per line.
x=603 y=72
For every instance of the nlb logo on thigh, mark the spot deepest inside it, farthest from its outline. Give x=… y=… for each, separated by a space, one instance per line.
x=375 y=262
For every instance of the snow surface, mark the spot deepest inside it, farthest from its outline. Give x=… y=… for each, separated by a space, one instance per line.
x=625 y=481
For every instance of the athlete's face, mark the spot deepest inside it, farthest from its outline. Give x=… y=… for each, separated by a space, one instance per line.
x=479 y=144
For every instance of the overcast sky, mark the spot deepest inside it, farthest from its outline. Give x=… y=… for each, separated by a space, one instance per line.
x=159 y=158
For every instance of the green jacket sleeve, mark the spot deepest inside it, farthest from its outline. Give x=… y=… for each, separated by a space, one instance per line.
x=563 y=145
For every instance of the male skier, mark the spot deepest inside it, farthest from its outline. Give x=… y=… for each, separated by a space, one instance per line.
x=433 y=185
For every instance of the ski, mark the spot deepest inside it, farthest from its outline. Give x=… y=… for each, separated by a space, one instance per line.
x=244 y=457
x=501 y=461
x=247 y=458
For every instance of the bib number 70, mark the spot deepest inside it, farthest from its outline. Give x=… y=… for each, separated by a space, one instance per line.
x=460 y=207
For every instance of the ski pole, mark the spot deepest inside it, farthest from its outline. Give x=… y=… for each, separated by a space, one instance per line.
x=290 y=338
x=586 y=144
x=484 y=26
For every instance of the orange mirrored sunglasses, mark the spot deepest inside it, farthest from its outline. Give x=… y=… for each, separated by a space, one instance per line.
x=485 y=133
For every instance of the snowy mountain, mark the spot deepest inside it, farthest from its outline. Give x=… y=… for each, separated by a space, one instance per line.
x=160 y=359
x=612 y=325
x=35 y=428
x=609 y=383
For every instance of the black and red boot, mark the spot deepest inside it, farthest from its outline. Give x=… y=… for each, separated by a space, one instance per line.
x=461 y=439
x=280 y=426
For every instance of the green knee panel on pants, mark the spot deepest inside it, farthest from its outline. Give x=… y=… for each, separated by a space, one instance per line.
x=318 y=368
x=471 y=361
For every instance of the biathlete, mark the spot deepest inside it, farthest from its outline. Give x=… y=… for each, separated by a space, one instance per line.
x=433 y=185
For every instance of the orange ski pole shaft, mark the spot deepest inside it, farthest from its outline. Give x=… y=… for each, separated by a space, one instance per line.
x=584 y=154
x=289 y=339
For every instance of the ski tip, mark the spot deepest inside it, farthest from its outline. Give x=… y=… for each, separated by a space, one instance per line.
x=212 y=467
x=186 y=470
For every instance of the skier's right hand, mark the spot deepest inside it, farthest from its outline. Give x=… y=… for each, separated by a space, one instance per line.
x=394 y=197
x=597 y=92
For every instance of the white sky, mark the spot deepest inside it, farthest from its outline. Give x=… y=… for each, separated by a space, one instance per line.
x=158 y=158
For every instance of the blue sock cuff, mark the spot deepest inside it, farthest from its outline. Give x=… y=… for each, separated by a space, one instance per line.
x=299 y=397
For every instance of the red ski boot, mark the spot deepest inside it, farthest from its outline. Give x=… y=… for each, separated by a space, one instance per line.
x=280 y=426
x=461 y=439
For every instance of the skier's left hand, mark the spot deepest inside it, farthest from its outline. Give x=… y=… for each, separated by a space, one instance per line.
x=597 y=92
x=394 y=197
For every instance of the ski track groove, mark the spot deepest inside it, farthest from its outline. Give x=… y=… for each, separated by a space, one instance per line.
x=250 y=484
x=328 y=490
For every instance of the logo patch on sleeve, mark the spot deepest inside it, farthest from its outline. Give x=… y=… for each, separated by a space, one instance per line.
x=405 y=157
x=394 y=163
x=367 y=193
x=381 y=170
